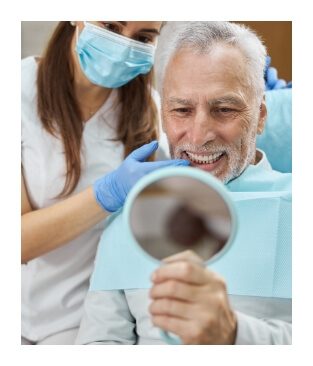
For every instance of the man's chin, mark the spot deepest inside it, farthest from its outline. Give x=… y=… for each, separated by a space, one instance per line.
x=219 y=171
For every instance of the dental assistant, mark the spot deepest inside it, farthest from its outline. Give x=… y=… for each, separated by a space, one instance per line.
x=87 y=104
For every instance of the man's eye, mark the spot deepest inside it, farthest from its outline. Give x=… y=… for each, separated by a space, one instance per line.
x=224 y=113
x=225 y=110
x=181 y=110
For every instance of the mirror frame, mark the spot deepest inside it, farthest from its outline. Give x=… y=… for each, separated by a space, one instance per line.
x=170 y=172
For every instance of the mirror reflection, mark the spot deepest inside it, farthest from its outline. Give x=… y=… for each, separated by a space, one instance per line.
x=180 y=213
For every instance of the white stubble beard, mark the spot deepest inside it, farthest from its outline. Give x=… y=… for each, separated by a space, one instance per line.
x=236 y=163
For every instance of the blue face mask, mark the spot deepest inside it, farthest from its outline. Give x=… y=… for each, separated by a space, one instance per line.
x=111 y=60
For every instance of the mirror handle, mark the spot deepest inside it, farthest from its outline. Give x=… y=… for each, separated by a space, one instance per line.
x=169 y=338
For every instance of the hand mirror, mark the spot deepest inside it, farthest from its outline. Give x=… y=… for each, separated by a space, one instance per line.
x=176 y=209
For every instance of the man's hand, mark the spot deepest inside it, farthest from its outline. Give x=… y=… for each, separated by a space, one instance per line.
x=191 y=301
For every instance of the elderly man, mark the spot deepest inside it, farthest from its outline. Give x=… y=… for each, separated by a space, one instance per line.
x=210 y=78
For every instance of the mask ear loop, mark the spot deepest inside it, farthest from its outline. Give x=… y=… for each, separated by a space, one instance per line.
x=77 y=31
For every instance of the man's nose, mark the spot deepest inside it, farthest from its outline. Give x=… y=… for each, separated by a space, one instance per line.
x=203 y=129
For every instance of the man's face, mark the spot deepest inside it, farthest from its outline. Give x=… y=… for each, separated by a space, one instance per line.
x=209 y=113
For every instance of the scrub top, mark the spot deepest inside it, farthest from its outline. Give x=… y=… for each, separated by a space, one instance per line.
x=54 y=285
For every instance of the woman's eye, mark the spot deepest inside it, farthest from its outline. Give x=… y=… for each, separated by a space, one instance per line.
x=144 y=39
x=111 y=27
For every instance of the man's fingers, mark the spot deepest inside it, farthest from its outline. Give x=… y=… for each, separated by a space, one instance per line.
x=167 y=306
x=187 y=255
x=185 y=271
x=171 y=324
x=174 y=289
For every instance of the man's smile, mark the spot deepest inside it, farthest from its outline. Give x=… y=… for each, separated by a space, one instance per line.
x=205 y=161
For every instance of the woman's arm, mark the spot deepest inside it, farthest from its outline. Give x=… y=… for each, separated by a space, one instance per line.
x=49 y=228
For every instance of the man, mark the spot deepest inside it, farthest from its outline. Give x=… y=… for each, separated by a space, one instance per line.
x=210 y=78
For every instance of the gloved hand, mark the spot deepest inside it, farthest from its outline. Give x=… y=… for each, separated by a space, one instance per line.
x=111 y=190
x=271 y=77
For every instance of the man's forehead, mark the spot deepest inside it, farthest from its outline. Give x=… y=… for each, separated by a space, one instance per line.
x=193 y=76
x=217 y=57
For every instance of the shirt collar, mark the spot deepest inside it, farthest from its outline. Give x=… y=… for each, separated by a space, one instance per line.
x=263 y=163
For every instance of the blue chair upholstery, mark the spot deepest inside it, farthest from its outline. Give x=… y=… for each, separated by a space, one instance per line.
x=276 y=139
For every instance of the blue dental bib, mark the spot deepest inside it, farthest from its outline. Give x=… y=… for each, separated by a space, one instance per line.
x=258 y=263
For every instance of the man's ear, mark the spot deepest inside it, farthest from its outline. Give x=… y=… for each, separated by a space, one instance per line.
x=262 y=117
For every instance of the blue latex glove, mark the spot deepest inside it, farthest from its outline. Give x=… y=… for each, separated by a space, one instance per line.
x=271 y=77
x=111 y=190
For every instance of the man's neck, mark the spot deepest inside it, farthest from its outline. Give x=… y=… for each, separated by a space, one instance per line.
x=258 y=157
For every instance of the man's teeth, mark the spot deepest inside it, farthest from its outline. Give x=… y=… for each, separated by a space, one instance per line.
x=201 y=159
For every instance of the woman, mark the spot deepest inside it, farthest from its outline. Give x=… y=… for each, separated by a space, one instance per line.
x=86 y=105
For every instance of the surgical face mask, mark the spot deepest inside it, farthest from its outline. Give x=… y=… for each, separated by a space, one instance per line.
x=111 y=60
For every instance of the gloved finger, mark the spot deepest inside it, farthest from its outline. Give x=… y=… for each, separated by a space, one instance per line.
x=143 y=152
x=280 y=84
x=271 y=77
x=151 y=166
x=289 y=85
x=268 y=61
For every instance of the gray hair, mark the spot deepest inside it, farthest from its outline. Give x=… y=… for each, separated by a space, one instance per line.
x=202 y=36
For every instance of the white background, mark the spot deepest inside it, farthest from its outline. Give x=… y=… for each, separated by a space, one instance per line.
x=12 y=13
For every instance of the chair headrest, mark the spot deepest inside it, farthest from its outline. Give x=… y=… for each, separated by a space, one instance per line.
x=276 y=139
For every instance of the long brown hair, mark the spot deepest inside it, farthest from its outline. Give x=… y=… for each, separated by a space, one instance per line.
x=60 y=113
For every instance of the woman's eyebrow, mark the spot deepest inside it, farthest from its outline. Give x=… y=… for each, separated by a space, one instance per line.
x=147 y=30
x=150 y=30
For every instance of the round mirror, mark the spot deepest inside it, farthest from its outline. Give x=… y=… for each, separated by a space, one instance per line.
x=180 y=212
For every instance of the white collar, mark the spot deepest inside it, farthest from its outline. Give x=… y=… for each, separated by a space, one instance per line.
x=263 y=163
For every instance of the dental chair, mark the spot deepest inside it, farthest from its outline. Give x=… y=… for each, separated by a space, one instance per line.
x=276 y=139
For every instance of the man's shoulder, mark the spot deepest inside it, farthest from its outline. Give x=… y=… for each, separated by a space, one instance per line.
x=276 y=180
x=258 y=179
